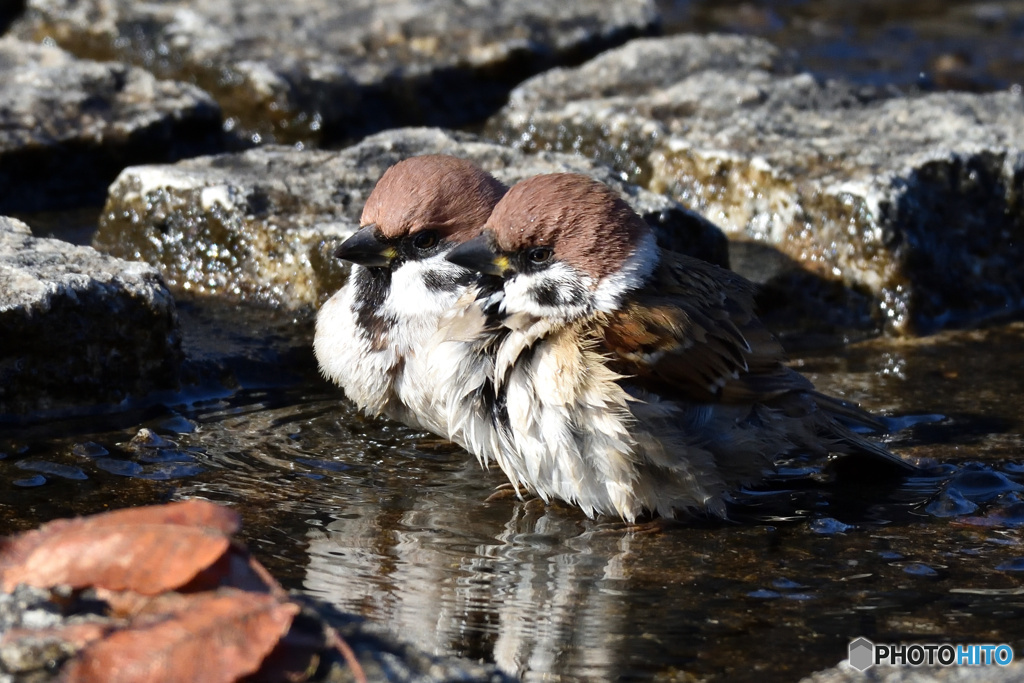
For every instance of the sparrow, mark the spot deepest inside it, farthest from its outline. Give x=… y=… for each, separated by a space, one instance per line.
x=617 y=376
x=369 y=334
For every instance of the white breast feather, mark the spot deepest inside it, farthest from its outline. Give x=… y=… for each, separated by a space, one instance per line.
x=392 y=381
x=345 y=356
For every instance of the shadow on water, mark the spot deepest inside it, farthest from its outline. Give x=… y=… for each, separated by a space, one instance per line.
x=396 y=526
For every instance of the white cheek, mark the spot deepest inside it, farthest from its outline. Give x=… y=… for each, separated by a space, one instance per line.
x=559 y=292
x=410 y=297
x=632 y=275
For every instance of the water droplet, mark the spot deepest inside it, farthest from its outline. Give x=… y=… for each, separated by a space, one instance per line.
x=147 y=438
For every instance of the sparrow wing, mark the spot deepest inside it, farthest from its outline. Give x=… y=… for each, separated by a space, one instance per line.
x=692 y=333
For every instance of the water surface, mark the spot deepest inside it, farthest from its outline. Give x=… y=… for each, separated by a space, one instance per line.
x=396 y=525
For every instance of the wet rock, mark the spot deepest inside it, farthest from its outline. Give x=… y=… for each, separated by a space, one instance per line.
x=78 y=328
x=262 y=225
x=914 y=202
x=383 y=656
x=309 y=69
x=844 y=673
x=68 y=126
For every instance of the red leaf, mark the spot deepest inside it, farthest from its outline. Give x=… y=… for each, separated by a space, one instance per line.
x=147 y=550
x=204 y=638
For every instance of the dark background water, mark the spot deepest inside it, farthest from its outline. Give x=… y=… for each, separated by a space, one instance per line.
x=397 y=526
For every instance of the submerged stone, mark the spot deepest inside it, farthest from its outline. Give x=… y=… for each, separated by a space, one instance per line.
x=310 y=69
x=68 y=126
x=78 y=328
x=262 y=225
x=913 y=202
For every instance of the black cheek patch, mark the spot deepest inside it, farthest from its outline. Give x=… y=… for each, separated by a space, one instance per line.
x=554 y=296
x=371 y=287
x=447 y=281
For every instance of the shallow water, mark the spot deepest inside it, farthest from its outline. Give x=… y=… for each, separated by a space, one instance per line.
x=397 y=526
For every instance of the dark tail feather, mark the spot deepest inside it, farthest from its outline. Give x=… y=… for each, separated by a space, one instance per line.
x=856 y=444
x=849 y=414
x=846 y=418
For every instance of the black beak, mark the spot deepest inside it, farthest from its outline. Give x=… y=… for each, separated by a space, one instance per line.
x=478 y=254
x=367 y=249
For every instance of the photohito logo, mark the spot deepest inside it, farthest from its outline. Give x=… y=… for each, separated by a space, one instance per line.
x=865 y=654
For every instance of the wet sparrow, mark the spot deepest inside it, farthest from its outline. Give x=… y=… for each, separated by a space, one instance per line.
x=615 y=375
x=369 y=333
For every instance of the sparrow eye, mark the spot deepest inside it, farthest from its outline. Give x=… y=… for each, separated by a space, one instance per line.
x=426 y=239
x=539 y=255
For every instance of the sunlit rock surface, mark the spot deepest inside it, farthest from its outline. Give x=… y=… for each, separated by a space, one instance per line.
x=262 y=225
x=913 y=201
x=68 y=126
x=78 y=328
x=305 y=69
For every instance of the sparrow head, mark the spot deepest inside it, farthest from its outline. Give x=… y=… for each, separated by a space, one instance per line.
x=420 y=207
x=566 y=246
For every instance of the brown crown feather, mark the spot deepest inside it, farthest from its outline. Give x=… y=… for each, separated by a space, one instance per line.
x=585 y=222
x=445 y=193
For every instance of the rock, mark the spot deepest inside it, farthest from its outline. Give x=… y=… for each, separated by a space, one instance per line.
x=262 y=225
x=79 y=329
x=317 y=69
x=68 y=126
x=382 y=655
x=914 y=202
x=844 y=673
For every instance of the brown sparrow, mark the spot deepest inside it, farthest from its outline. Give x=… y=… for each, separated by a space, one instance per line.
x=617 y=376
x=369 y=333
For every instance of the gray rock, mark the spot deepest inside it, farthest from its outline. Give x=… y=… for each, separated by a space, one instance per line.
x=68 y=126
x=844 y=673
x=262 y=225
x=306 y=69
x=78 y=328
x=382 y=655
x=914 y=202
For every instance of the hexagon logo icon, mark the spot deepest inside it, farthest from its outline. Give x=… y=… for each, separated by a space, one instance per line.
x=862 y=654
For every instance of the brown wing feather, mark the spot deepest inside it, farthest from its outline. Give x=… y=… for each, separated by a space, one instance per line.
x=692 y=333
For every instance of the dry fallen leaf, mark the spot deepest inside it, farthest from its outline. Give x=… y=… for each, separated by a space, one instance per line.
x=182 y=601
x=214 y=637
x=147 y=550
